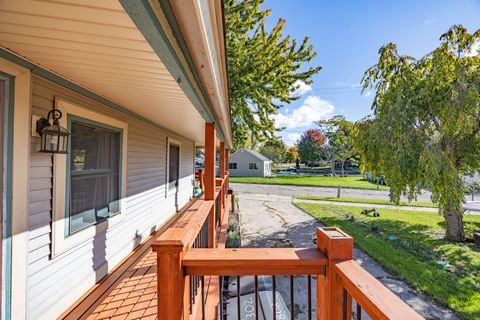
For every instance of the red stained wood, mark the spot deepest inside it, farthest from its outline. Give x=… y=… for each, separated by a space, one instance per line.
x=254 y=261
x=371 y=294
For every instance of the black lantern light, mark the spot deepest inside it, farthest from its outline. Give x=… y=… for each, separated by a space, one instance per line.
x=54 y=137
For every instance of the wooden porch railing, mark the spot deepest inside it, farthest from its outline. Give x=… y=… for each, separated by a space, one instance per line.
x=195 y=279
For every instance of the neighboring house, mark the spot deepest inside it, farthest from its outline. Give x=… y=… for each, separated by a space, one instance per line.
x=249 y=163
x=136 y=85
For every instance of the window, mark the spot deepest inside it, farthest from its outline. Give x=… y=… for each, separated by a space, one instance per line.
x=253 y=166
x=94 y=174
x=232 y=165
x=173 y=165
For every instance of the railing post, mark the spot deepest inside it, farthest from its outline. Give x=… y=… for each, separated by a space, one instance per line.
x=210 y=153
x=171 y=283
x=337 y=246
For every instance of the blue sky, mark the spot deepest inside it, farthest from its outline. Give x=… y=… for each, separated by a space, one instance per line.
x=347 y=36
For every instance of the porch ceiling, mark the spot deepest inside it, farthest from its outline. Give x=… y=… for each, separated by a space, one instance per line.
x=96 y=45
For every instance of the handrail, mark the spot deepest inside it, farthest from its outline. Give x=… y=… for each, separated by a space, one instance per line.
x=184 y=231
x=254 y=261
x=371 y=294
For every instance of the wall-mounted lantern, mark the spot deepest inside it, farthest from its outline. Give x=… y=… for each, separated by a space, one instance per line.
x=54 y=138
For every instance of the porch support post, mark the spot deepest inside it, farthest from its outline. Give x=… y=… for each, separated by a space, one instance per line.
x=227 y=168
x=222 y=160
x=222 y=175
x=337 y=246
x=209 y=179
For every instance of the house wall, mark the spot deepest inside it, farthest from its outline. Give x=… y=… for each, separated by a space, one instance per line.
x=56 y=282
x=243 y=158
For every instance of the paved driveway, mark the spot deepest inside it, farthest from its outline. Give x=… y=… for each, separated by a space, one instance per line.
x=271 y=220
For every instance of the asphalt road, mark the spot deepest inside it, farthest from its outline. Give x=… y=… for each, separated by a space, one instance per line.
x=293 y=191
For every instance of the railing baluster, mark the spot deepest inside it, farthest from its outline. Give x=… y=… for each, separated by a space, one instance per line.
x=202 y=281
x=292 y=306
x=221 y=296
x=256 y=297
x=191 y=295
x=238 y=297
x=274 y=290
x=359 y=311
x=345 y=305
x=309 y=289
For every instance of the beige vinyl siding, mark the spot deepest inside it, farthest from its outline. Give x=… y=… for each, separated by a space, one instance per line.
x=55 y=283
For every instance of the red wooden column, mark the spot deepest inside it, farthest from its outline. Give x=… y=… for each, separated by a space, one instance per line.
x=222 y=173
x=337 y=246
x=209 y=177
x=227 y=169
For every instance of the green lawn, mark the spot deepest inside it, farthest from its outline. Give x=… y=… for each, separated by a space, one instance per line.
x=356 y=182
x=369 y=201
x=414 y=254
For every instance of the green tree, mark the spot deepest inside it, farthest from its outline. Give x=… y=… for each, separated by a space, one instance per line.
x=274 y=149
x=291 y=155
x=338 y=131
x=310 y=145
x=264 y=67
x=426 y=124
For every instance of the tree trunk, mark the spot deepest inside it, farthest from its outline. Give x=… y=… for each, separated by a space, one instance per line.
x=333 y=169
x=453 y=225
x=343 y=168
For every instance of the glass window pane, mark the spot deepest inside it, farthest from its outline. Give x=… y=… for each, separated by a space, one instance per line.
x=174 y=165
x=94 y=175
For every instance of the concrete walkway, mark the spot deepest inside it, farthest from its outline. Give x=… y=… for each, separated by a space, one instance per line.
x=271 y=220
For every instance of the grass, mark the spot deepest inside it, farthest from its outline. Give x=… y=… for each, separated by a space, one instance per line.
x=369 y=201
x=414 y=254
x=354 y=182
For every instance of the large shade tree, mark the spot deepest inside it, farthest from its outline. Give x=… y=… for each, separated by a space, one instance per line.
x=265 y=69
x=338 y=131
x=425 y=132
x=274 y=149
x=310 y=145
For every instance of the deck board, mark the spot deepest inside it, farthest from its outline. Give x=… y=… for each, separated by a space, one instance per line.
x=130 y=290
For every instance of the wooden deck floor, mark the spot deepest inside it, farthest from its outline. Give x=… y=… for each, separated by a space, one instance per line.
x=130 y=290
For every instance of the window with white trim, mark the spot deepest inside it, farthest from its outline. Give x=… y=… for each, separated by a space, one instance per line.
x=94 y=174
x=232 y=165
x=173 y=165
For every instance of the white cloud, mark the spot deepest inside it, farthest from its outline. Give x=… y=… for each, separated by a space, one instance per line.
x=475 y=50
x=313 y=109
x=430 y=21
x=301 y=88
x=291 y=138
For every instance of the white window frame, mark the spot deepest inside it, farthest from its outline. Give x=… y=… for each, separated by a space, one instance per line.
x=167 y=183
x=255 y=167
x=233 y=164
x=62 y=241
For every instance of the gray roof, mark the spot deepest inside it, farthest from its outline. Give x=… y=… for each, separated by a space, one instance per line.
x=253 y=153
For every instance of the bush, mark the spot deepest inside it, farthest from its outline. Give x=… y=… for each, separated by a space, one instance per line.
x=233 y=240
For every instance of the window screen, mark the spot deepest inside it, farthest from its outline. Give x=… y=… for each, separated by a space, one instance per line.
x=253 y=166
x=94 y=175
x=173 y=165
